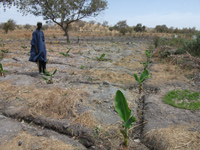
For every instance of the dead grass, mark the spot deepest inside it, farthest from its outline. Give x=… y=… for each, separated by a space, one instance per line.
x=56 y=103
x=30 y=142
x=163 y=73
x=113 y=77
x=128 y=62
x=85 y=119
x=174 y=138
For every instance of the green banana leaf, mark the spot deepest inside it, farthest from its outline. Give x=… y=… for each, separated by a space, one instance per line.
x=136 y=77
x=44 y=78
x=144 y=75
x=69 y=50
x=103 y=55
x=121 y=106
x=130 y=122
x=1 y=67
x=148 y=53
x=46 y=73
x=54 y=72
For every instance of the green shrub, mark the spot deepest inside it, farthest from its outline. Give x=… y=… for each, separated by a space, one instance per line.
x=9 y=25
x=192 y=46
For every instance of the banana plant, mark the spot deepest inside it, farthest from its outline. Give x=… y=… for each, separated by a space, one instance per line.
x=124 y=112
x=148 y=61
x=145 y=64
x=67 y=53
x=2 y=72
x=50 y=80
x=148 y=54
x=101 y=58
x=145 y=75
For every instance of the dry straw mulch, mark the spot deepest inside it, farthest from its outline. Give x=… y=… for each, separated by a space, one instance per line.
x=180 y=137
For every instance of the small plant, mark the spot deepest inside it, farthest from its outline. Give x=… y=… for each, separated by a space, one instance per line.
x=82 y=67
x=2 y=45
x=2 y=72
x=96 y=131
x=145 y=64
x=148 y=53
x=148 y=61
x=90 y=79
x=101 y=58
x=80 y=53
x=67 y=53
x=5 y=51
x=50 y=80
x=184 y=99
x=23 y=46
x=125 y=114
x=145 y=75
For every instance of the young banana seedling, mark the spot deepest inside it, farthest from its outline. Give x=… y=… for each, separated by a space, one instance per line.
x=101 y=58
x=145 y=75
x=50 y=80
x=124 y=112
x=67 y=53
x=148 y=61
x=2 y=72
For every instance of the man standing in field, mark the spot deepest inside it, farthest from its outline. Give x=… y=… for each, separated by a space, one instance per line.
x=38 y=49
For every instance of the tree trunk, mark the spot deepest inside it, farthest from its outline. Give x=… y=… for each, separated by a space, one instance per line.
x=66 y=33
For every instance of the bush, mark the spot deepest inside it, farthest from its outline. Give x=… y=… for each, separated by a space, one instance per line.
x=9 y=25
x=192 y=46
x=27 y=26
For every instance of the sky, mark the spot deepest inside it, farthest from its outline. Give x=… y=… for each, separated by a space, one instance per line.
x=172 y=13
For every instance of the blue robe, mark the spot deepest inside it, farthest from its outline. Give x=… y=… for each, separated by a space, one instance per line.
x=38 y=41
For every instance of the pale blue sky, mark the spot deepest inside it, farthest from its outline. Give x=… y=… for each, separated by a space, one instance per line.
x=176 y=13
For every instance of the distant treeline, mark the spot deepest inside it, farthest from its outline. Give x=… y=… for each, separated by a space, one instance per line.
x=120 y=26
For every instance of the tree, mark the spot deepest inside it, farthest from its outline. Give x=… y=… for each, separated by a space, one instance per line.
x=139 y=28
x=9 y=25
x=105 y=24
x=121 y=26
x=91 y=22
x=63 y=12
x=6 y=3
x=161 y=28
x=27 y=26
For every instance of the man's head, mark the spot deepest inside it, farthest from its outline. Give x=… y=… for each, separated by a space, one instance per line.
x=39 y=25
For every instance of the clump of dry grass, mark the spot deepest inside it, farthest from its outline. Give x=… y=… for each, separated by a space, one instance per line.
x=163 y=73
x=33 y=142
x=113 y=77
x=56 y=102
x=85 y=119
x=173 y=138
